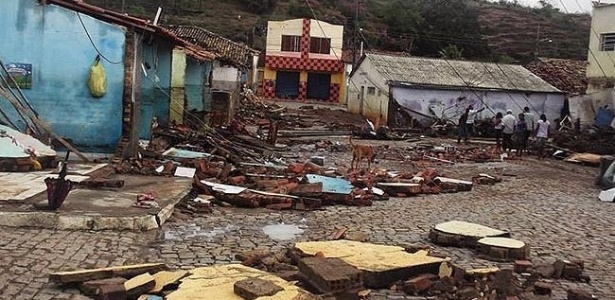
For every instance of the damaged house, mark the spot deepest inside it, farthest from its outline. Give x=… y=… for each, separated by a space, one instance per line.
x=54 y=43
x=387 y=89
x=234 y=66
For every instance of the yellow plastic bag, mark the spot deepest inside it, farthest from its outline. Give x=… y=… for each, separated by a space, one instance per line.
x=98 y=79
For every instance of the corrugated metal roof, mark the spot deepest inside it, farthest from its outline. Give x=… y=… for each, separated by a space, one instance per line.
x=231 y=52
x=125 y=20
x=431 y=72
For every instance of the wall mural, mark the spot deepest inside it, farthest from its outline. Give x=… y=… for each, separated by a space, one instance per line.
x=21 y=73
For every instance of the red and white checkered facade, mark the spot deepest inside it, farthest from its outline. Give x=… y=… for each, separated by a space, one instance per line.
x=303 y=63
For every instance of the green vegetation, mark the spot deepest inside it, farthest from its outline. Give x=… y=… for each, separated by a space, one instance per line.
x=468 y=29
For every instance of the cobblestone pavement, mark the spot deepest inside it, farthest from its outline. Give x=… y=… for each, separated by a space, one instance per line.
x=551 y=205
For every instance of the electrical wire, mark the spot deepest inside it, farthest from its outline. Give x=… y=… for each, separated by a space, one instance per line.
x=94 y=44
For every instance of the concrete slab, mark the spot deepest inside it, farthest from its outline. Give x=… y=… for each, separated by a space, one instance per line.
x=86 y=209
x=217 y=282
x=22 y=186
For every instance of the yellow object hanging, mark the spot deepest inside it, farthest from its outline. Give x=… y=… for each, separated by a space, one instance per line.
x=98 y=79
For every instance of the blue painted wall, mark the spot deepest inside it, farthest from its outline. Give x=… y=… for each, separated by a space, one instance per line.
x=155 y=85
x=52 y=39
x=195 y=80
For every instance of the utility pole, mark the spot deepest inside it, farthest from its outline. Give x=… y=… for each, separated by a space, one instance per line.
x=356 y=34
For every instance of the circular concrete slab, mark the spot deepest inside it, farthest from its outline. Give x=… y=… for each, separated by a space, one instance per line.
x=468 y=229
x=502 y=242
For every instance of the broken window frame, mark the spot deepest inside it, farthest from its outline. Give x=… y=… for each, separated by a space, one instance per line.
x=607 y=42
x=320 y=45
x=291 y=43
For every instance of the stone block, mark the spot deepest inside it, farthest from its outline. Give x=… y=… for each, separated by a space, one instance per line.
x=252 y=288
x=330 y=275
x=572 y=271
x=139 y=285
x=543 y=288
x=112 y=292
x=419 y=284
x=91 y=288
x=522 y=266
x=579 y=294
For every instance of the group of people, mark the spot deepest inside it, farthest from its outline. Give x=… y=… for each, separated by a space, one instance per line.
x=510 y=132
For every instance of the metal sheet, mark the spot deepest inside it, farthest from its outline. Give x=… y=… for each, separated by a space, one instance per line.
x=331 y=185
x=180 y=153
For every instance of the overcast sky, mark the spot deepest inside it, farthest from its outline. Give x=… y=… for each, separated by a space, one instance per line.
x=571 y=5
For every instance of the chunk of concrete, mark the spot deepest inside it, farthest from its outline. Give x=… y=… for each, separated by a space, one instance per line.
x=503 y=249
x=330 y=275
x=253 y=288
x=579 y=294
x=139 y=285
x=217 y=283
x=92 y=288
x=607 y=196
x=165 y=278
x=102 y=273
x=462 y=234
x=381 y=265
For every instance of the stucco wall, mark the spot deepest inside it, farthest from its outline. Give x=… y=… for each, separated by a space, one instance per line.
x=602 y=22
x=155 y=85
x=52 y=39
x=225 y=77
x=195 y=81
x=275 y=30
x=422 y=99
x=372 y=106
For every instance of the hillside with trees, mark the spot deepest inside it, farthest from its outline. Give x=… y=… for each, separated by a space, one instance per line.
x=502 y=31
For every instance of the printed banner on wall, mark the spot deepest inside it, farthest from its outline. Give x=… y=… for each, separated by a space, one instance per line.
x=21 y=73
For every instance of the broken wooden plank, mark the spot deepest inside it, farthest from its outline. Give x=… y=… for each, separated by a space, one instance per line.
x=102 y=273
x=139 y=285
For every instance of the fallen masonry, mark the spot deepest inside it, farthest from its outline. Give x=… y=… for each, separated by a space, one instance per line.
x=335 y=269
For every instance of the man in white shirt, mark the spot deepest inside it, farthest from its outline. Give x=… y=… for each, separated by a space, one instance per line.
x=542 y=133
x=470 y=121
x=509 y=122
x=530 y=121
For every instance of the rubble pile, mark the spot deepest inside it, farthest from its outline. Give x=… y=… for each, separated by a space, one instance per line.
x=340 y=268
x=255 y=111
x=601 y=141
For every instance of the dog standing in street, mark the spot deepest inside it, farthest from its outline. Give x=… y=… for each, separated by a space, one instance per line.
x=360 y=152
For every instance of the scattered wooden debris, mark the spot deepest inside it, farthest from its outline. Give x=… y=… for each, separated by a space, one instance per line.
x=102 y=273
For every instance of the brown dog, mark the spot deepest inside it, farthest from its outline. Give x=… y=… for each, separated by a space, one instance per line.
x=360 y=152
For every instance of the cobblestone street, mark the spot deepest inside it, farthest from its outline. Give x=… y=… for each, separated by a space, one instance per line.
x=551 y=205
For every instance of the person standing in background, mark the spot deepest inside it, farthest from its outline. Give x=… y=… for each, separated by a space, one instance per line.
x=498 y=126
x=520 y=135
x=463 y=127
x=471 y=118
x=530 y=121
x=542 y=133
x=508 y=121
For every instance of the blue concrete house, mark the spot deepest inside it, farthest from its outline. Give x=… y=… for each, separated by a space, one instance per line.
x=147 y=68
